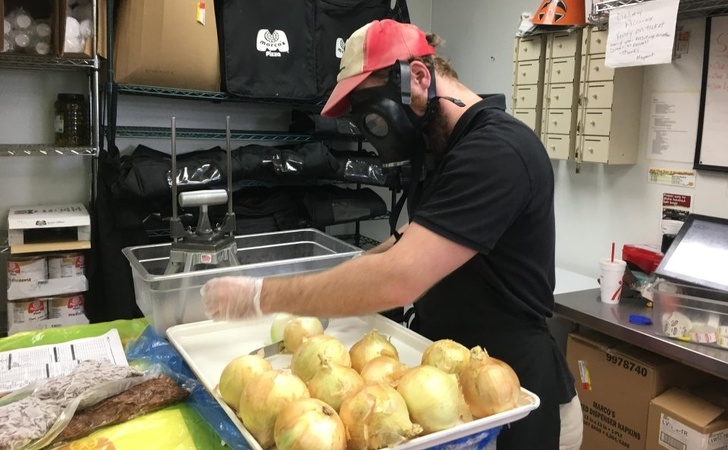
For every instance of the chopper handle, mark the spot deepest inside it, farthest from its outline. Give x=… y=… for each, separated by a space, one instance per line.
x=202 y=198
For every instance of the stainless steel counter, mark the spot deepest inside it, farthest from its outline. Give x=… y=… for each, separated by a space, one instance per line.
x=583 y=307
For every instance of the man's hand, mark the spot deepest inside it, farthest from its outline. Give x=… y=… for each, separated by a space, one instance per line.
x=232 y=298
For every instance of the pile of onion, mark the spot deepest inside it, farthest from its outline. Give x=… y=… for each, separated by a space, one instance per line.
x=447 y=355
x=299 y=328
x=433 y=398
x=306 y=359
x=377 y=417
x=383 y=369
x=489 y=385
x=309 y=424
x=369 y=347
x=236 y=375
x=333 y=383
x=263 y=398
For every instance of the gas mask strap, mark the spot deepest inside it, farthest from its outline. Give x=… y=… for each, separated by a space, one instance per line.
x=396 y=210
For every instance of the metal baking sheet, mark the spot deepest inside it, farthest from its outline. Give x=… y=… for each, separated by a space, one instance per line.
x=208 y=346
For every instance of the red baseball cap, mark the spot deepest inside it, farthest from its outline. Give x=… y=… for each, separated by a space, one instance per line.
x=375 y=46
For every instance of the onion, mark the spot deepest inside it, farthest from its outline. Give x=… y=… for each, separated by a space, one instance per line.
x=309 y=424
x=433 y=398
x=299 y=328
x=383 y=369
x=332 y=383
x=489 y=384
x=279 y=325
x=263 y=398
x=447 y=355
x=237 y=373
x=306 y=359
x=377 y=417
x=369 y=347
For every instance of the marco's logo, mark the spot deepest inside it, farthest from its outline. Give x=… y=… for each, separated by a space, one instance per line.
x=273 y=44
x=340 y=47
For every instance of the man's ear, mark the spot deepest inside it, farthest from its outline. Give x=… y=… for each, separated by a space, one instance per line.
x=420 y=76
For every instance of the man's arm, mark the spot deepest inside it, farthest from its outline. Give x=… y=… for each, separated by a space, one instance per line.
x=375 y=283
x=386 y=245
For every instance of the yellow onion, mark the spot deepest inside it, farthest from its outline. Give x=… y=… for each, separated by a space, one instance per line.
x=377 y=417
x=433 y=398
x=299 y=328
x=279 y=325
x=489 y=385
x=447 y=355
x=237 y=373
x=263 y=398
x=332 y=383
x=383 y=369
x=306 y=359
x=309 y=424
x=369 y=347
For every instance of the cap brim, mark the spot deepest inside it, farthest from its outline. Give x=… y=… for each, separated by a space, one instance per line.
x=338 y=102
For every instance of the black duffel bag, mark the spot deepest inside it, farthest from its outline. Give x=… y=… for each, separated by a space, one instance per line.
x=335 y=21
x=267 y=48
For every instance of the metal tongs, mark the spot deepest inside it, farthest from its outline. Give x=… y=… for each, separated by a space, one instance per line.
x=276 y=348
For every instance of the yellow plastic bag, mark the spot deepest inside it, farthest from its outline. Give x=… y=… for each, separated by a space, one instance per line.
x=177 y=427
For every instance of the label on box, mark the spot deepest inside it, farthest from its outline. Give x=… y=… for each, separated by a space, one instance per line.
x=584 y=376
x=678 y=436
x=201 y=13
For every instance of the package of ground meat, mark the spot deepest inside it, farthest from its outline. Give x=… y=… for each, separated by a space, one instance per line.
x=32 y=417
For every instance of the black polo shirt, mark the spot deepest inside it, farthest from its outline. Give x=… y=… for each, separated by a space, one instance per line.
x=493 y=192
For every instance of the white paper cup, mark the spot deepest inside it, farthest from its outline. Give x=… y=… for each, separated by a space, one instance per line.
x=610 y=279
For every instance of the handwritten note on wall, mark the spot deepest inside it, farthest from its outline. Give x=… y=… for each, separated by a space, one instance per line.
x=641 y=34
x=714 y=132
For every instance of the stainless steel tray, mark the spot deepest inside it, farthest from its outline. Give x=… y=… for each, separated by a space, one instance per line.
x=208 y=346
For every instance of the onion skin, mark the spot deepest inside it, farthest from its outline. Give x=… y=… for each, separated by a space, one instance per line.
x=309 y=424
x=237 y=374
x=306 y=359
x=263 y=399
x=489 y=385
x=369 y=347
x=377 y=417
x=332 y=384
x=299 y=328
x=447 y=355
x=383 y=369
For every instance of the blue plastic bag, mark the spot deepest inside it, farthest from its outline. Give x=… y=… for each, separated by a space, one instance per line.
x=153 y=349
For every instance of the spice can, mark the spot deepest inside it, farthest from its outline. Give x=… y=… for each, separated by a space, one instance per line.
x=24 y=311
x=27 y=269
x=64 y=265
x=63 y=306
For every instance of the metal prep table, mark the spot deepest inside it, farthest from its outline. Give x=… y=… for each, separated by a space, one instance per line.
x=584 y=308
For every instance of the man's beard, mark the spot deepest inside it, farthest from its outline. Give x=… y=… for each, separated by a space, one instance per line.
x=436 y=132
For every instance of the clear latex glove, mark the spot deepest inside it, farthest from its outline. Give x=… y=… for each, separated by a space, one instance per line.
x=232 y=298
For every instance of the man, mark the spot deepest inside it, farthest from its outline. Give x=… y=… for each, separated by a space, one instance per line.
x=477 y=258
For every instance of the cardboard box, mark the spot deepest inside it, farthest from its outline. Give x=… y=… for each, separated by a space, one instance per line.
x=681 y=420
x=167 y=43
x=87 y=50
x=42 y=228
x=615 y=382
x=46 y=10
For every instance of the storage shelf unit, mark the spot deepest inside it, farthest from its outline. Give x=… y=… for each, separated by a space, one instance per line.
x=201 y=95
x=27 y=62
x=687 y=9
x=207 y=134
x=45 y=150
x=363 y=242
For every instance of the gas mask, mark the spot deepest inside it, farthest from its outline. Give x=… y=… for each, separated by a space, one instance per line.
x=384 y=116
